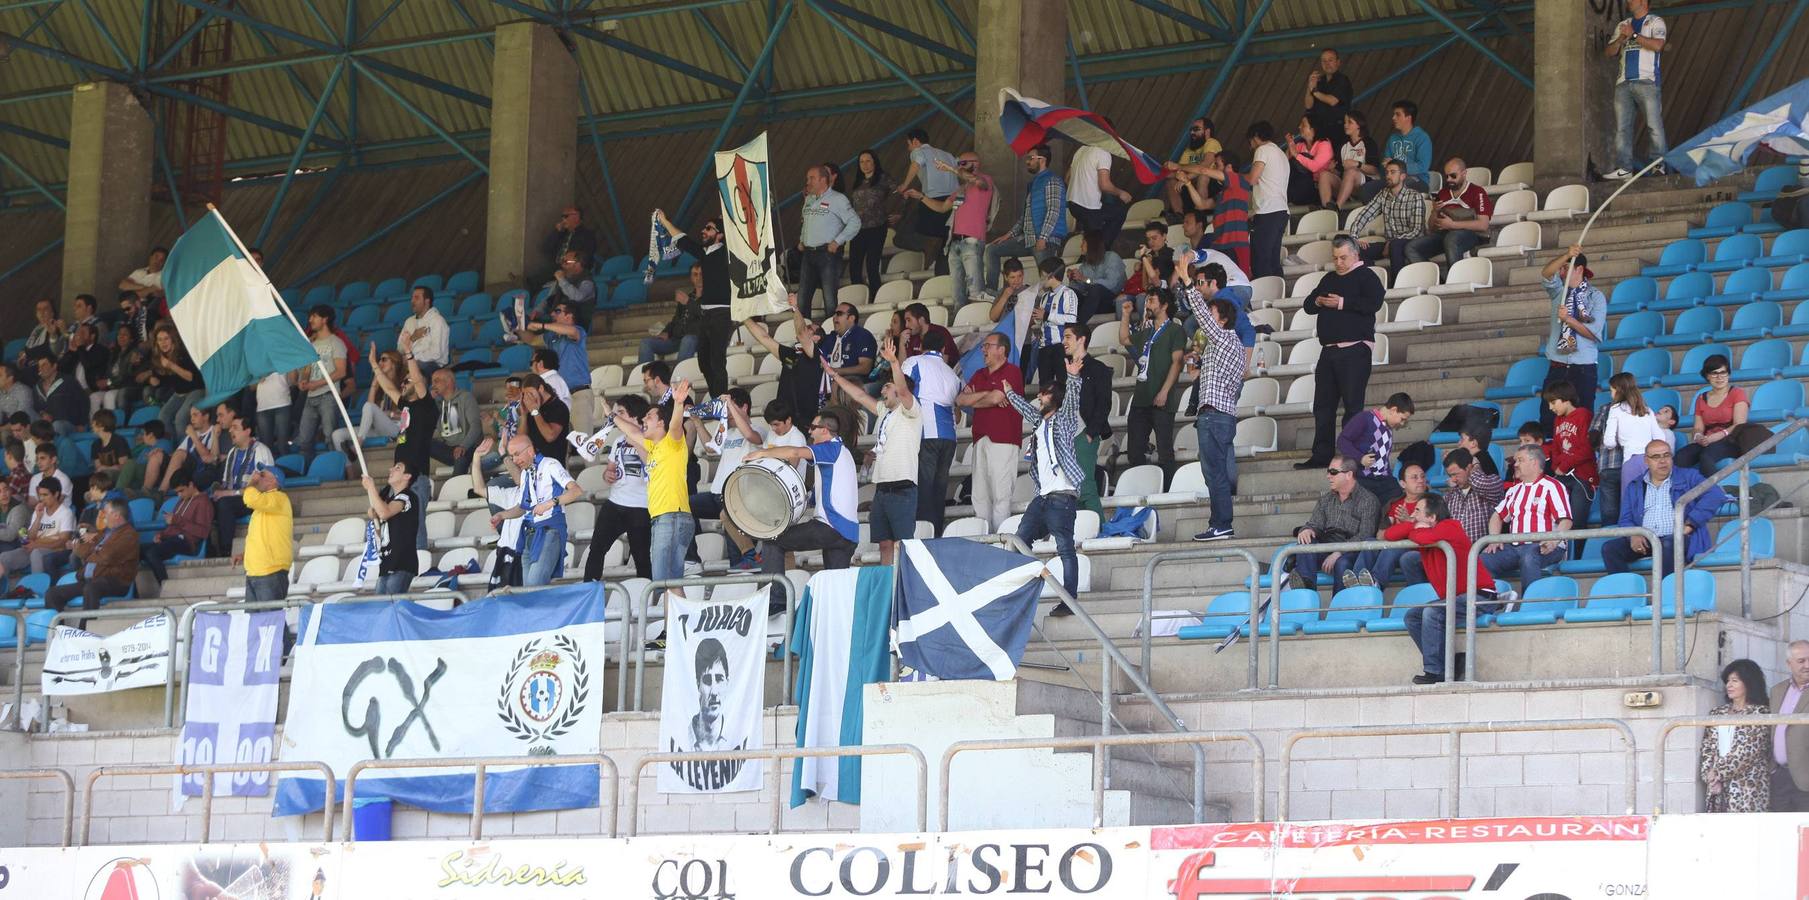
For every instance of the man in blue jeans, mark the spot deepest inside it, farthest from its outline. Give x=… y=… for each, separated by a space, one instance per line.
x=1637 y=42
x=546 y=489
x=1056 y=471
x=1221 y=369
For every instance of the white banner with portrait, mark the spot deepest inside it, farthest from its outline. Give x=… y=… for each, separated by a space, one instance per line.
x=81 y=662
x=744 y=183
x=714 y=689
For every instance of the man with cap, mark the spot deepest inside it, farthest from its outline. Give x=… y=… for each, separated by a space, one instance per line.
x=269 y=540
x=1576 y=334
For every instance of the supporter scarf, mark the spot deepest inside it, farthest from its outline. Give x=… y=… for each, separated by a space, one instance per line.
x=370 y=549
x=1574 y=300
x=660 y=248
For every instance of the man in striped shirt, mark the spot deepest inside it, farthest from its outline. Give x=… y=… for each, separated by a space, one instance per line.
x=1535 y=502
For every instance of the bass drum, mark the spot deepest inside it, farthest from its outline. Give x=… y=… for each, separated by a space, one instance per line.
x=764 y=497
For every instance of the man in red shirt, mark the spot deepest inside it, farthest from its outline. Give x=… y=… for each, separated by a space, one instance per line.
x=1431 y=524
x=1534 y=503
x=1460 y=219
x=918 y=324
x=1572 y=458
x=998 y=429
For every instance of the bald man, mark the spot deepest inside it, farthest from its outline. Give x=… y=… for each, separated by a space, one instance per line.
x=1652 y=501
x=1460 y=218
x=830 y=222
x=546 y=489
x=460 y=427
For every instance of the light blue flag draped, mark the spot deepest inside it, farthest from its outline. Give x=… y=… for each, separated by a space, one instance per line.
x=230 y=317
x=1780 y=121
x=963 y=608
x=840 y=638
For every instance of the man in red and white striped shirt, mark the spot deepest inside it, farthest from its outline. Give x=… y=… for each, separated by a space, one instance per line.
x=1534 y=502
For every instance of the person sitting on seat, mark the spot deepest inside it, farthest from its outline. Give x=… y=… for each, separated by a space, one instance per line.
x=1652 y=502
x=1343 y=513
x=1430 y=525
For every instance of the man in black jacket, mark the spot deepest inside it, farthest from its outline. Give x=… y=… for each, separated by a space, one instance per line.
x=1346 y=302
x=1095 y=411
x=569 y=234
x=714 y=329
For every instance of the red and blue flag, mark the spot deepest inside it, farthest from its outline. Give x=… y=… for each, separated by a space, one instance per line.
x=1027 y=123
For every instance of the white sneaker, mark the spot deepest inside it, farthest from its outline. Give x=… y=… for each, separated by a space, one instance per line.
x=1618 y=175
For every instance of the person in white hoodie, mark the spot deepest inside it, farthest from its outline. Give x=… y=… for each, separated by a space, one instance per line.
x=1628 y=425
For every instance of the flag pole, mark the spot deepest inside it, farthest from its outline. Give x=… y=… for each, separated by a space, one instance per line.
x=1558 y=305
x=325 y=375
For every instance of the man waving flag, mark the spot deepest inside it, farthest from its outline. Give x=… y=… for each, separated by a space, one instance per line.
x=231 y=318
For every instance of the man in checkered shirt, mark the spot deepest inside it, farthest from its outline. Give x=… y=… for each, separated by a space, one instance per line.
x=1535 y=502
x=1403 y=212
x=1471 y=493
x=1222 y=368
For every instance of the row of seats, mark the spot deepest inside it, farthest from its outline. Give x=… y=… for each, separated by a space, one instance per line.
x=1738 y=251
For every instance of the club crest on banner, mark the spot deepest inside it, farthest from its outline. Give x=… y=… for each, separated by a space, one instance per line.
x=745 y=181
x=545 y=691
x=744 y=190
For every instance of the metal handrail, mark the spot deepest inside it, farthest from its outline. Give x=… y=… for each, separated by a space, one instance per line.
x=1452 y=800
x=753 y=578
x=1276 y=572
x=61 y=777
x=1474 y=560
x=480 y=765
x=207 y=787
x=1670 y=725
x=1112 y=655
x=20 y=641
x=1098 y=745
x=1149 y=588
x=776 y=755
x=1743 y=465
x=140 y=613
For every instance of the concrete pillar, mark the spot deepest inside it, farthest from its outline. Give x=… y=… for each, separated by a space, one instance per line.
x=533 y=149
x=1021 y=44
x=1573 y=100
x=107 y=226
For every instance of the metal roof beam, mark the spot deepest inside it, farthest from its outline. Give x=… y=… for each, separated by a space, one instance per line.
x=320 y=20
x=1764 y=61
x=1185 y=18
x=106 y=34
x=35 y=183
x=301 y=147
x=287 y=239
x=364 y=67
x=251 y=21
x=183 y=39
x=710 y=29
x=657 y=58
x=26 y=263
x=609 y=181
x=887 y=28
x=38 y=136
x=432 y=84
x=894 y=68
x=895 y=134
x=1475 y=44
x=1223 y=75
x=300 y=85
x=84 y=65
x=1414 y=63
x=378 y=22
x=387 y=229
x=234 y=112
x=954 y=21
x=728 y=121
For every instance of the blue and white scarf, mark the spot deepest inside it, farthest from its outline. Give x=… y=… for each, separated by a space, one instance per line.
x=370 y=550
x=661 y=247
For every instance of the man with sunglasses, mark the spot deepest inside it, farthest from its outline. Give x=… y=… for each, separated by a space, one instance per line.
x=851 y=349
x=801 y=377
x=970 y=208
x=569 y=235
x=1345 y=512
x=714 y=327
x=835 y=528
x=1652 y=502
x=1460 y=219
x=1041 y=226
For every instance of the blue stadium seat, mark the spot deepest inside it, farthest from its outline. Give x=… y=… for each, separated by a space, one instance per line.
x=1591 y=561
x=1689 y=371
x=1754 y=319
x=1524 y=378
x=474 y=306
x=1635 y=330
x=1793 y=286
x=1787 y=249
x=1346 y=615
x=490 y=333
x=1763 y=359
x=328 y=466
x=1692 y=326
x=482 y=355
x=629 y=293
x=1689 y=289
x=1525 y=411
x=1724 y=219
x=445 y=304
x=398 y=312
x=514 y=358
x=619 y=297
x=1769 y=184
x=1634 y=293
x=1648 y=365
x=1735 y=252
x=507 y=300
x=37 y=583
x=1678 y=257
x=1726 y=549
x=616 y=266
x=1613 y=598
x=144 y=513
x=1410 y=596
x=433 y=283
x=1223 y=613
x=37 y=626
x=390 y=288
x=14 y=347
x=1299 y=607
x=1742 y=286
x=1791 y=451
x=1545 y=599
x=362 y=317
x=317 y=295
x=1698 y=595
x=140 y=416
x=462 y=283
x=1775 y=401
x=353 y=292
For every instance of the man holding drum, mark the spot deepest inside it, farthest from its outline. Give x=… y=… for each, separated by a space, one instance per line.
x=835 y=528
x=893 y=512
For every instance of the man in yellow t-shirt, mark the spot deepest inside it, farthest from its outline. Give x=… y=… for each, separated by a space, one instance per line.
x=1201 y=149
x=270 y=539
x=662 y=442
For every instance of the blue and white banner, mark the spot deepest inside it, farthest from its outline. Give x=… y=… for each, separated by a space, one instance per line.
x=714 y=690
x=517 y=675
x=964 y=608
x=841 y=638
x=1780 y=121
x=234 y=663
x=229 y=315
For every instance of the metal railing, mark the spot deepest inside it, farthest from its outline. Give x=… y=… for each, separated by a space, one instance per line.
x=1149 y=590
x=776 y=755
x=138 y=613
x=1276 y=579
x=1565 y=537
x=60 y=777
x=480 y=765
x=1110 y=655
x=1099 y=745
x=639 y=633
x=1452 y=801
x=1742 y=465
x=1670 y=725
x=20 y=640
x=207 y=787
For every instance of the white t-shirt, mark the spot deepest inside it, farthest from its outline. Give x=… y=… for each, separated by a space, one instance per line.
x=435 y=346
x=60 y=522
x=1049 y=475
x=1631 y=433
x=631 y=489
x=838 y=495
x=1234 y=276
x=728 y=445
x=273 y=391
x=147 y=277
x=896 y=442
x=1270 y=192
x=503 y=493
x=792 y=438
x=937 y=385
x=68 y=489
x=330 y=349
x=1083 y=176
x=556 y=381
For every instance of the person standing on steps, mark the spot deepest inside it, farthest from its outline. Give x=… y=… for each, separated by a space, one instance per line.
x=1345 y=303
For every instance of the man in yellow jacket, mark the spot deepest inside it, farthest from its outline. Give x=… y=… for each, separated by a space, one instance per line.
x=269 y=541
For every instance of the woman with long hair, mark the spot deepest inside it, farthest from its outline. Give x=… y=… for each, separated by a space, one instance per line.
x=1628 y=427
x=1736 y=759
x=172 y=379
x=1359 y=160
x=1308 y=156
x=870 y=193
x=382 y=417
x=127 y=360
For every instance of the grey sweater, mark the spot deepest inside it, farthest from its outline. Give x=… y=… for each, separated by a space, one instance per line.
x=1356 y=517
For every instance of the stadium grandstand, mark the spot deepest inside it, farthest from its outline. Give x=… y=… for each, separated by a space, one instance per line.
x=1120 y=425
